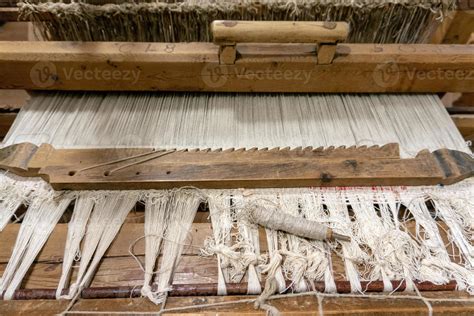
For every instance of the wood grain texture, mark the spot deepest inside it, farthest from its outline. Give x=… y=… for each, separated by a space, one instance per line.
x=465 y=124
x=462 y=26
x=258 y=68
x=233 y=32
x=6 y=121
x=117 y=169
x=307 y=305
x=53 y=250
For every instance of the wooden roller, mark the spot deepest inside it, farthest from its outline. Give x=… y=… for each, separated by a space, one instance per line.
x=227 y=34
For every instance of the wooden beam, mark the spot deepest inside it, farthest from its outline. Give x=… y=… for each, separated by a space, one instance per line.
x=6 y=120
x=298 y=306
x=258 y=68
x=117 y=169
x=465 y=124
x=461 y=27
x=9 y=14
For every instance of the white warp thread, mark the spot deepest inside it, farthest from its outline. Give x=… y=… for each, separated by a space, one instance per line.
x=222 y=223
x=183 y=206
x=108 y=216
x=156 y=217
x=248 y=235
x=15 y=191
x=187 y=120
x=75 y=232
x=41 y=217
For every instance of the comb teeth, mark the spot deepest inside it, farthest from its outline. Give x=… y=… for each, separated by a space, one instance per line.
x=387 y=150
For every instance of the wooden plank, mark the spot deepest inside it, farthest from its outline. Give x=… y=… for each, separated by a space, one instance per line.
x=54 y=248
x=122 y=271
x=9 y=14
x=462 y=26
x=13 y=99
x=307 y=305
x=116 y=169
x=258 y=68
x=6 y=121
x=465 y=124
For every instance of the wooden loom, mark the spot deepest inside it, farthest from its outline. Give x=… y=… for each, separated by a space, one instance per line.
x=202 y=67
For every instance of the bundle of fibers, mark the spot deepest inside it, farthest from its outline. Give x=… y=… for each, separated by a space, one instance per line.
x=371 y=21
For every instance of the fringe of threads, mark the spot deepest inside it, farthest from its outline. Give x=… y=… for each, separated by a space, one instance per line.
x=395 y=234
x=189 y=21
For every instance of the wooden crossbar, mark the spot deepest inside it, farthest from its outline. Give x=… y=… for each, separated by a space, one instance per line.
x=128 y=169
x=104 y=66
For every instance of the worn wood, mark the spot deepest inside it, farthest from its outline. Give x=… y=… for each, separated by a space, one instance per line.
x=258 y=68
x=232 y=32
x=227 y=54
x=9 y=14
x=326 y=53
x=6 y=121
x=96 y=169
x=465 y=124
x=53 y=250
x=460 y=29
x=307 y=305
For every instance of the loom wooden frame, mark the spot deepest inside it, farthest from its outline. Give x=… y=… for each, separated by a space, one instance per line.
x=132 y=168
x=357 y=68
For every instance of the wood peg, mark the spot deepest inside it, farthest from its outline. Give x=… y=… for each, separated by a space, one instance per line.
x=326 y=52
x=227 y=54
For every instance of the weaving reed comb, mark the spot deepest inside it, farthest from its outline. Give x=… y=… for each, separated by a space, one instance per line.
x=95 y=169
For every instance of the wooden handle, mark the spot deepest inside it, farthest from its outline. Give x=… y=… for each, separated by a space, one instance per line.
x=325 y=34
x=233 y=32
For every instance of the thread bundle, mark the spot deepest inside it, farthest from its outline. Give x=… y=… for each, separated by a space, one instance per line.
x=189 y=21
